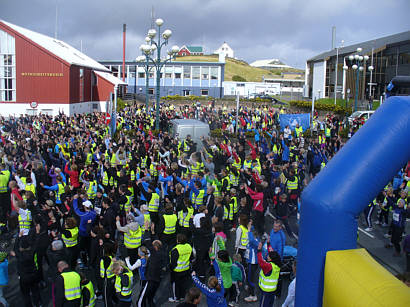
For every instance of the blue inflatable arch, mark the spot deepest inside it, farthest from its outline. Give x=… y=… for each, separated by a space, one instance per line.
x=342 y=190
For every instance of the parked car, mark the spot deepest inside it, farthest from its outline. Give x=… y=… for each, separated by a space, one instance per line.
x=264 y=96
x=359 y=115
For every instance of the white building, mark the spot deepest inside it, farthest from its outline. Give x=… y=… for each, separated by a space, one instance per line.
x=246 y=89
x=226 y=50
x=269 y=64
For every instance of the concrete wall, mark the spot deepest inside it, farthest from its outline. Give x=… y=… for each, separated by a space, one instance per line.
x=16 y=109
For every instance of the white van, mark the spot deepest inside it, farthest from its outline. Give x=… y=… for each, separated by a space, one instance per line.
x=180 y=128
x=359 y=114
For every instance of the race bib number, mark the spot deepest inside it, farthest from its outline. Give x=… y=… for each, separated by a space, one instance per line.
x=396 y=217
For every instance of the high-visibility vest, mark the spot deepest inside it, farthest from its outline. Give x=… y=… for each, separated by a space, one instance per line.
x=217 y=191
x=90 y=192
x=299 y=131
x=89 y=159
x=247 y=164
x=186 y=147
x=235 y=204
x=292 y=185
x=105 y=179
x=132 y=175
x=106 y=272
x=170 y=223
x=60 y=191
x=127 y=290
x=226 y=178
x=184 y=252
x=90 y=287
x=230 y=214
x=291 y=149
x=321 y=140
x=327 y=132
x=72 y=285
x=195 y=168
x=244 y=236
x=269 y=283
x=153 y=204
x=30 y=187
x=26 y=223
x=199 y=199
x=184 y=217
x=144 y=162
x=111 y=181
x=73 y=241
x=234 y=179
x=113 y=159
x=226 y=213
x=4 y=181
x=153 y=170
x=238 y=165
x=132 y=238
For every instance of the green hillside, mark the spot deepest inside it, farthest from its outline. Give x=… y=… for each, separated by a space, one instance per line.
x=240 y=68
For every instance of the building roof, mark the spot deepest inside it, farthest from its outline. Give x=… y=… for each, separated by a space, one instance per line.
x=273 y=63
x=57 y=47
x=195 y=48
x=110 y=78
x=366 y=46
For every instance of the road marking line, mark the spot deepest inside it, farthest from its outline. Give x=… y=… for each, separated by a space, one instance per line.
x=296 y=236
x=365 y=232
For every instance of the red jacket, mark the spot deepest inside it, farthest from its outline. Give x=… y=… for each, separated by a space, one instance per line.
x=73 y=177
x=257 y=199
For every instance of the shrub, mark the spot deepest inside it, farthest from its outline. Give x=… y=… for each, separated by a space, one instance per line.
x=319 y=106
x=121 y=104
x=238 y=78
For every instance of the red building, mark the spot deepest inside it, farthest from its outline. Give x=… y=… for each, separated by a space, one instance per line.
x=40 y=74
x=190 y=50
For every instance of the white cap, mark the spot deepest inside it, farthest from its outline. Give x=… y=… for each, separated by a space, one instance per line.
x=87 y=204
x=144 y=207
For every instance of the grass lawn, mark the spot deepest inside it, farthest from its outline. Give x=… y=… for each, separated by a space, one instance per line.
x=236 y=67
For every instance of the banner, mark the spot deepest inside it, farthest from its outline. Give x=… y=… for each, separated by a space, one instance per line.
x=292 y=119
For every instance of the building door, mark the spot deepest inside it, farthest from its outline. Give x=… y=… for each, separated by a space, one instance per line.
x=186 y=92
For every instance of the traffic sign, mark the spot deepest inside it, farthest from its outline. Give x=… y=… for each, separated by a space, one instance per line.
x=107 y=118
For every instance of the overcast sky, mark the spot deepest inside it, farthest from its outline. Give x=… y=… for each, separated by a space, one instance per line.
x=291 y=30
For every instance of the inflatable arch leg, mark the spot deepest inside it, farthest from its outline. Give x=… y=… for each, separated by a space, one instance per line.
x=343 y=188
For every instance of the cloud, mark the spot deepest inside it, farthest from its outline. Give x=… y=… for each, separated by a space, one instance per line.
x=291 y=30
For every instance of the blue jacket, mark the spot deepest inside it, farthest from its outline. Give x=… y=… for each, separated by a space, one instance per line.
x=277 y=241
x=84 y=217
x=4 y=273
x=213 y=298
x=285 y=153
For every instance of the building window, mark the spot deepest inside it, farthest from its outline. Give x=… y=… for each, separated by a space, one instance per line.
x=177 y=75
x=141 y=75
x=151 y=75
x=7 y=67
x=214 y=73
x=187 y=72
x=195 y=72
x=150 y=91
x=205 y=73
x=168 y=75
x=204 y=92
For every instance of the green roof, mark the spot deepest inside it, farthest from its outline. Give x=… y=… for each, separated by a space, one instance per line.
x=195 y=49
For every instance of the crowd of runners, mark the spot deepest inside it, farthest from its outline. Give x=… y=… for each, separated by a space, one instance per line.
x=96 y=218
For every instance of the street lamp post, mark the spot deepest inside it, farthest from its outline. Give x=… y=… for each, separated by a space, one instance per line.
x=336 y=68
x=357 y=61
x=148 y=49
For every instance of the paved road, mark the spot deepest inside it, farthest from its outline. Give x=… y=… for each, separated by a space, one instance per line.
x=373 y=241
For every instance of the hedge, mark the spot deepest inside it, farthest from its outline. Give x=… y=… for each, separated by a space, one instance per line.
x=320 y=106
x=194 y=98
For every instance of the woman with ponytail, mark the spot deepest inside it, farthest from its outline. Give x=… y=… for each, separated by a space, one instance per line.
x=214 y=290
